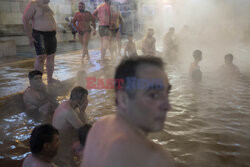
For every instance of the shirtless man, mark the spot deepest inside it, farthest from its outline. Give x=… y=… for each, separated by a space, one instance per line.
x=130 y=49
x=116 y=21
x=42 y=35
x=194 y=69
x=168 y=42
x=120 y=140
x=102 y=13
x=84 y=18
x=44 y=143
x=148 y=43
x=68 y=118
x=36 y=96
x=229 y=70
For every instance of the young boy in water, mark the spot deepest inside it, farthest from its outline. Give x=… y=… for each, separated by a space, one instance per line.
x=194 y=70
x=130 y=49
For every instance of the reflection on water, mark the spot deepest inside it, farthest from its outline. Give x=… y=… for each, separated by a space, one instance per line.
x=208 y=124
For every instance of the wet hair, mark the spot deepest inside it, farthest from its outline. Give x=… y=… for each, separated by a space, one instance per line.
x=197 y=54
x=128 y=68
x=40 y=135
x=171 y=29
x=229 y=57
x=82 y=3
x=78 y=93
x=83 y=133
x=33 y=73
x=197 y=75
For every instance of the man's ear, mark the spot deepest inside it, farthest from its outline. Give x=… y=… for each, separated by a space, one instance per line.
x=122 y=99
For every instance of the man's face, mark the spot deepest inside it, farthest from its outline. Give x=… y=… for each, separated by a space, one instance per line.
x=81 y=6
x=37 y=82
x=150 y=33
x=53 y=146
x=84 y=101
x=148 y=108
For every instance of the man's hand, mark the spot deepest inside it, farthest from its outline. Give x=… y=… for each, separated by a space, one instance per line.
x=32 y=40
x=83 y=106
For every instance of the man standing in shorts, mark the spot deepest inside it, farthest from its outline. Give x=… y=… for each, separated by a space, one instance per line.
x=116 y=21
x=84 y=18
x=102 y=13
x=42 y=35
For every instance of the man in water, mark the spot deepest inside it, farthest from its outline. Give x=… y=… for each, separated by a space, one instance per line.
x=121 y=139
x=148 y=43
x=44 y=143
x=42 y=35
x=36 y=96
x=130 y=49
x=229 y=70
x=84 y=18
x=68 y=118
x=116 y=21
x=102 y=14
x=169 y=44
x=194 y=69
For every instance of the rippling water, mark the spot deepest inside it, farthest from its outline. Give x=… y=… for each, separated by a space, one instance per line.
x=208 y=124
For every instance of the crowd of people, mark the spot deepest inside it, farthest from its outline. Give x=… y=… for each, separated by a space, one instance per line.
x=115 y=140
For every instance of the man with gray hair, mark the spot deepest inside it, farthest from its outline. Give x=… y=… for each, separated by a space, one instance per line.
x=120 y=140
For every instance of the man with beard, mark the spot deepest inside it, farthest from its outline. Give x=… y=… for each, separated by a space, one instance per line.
x=84 y=18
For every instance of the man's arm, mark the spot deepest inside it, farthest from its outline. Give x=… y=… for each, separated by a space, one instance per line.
x=27 y=16
x=74 y=22
x=95 y=13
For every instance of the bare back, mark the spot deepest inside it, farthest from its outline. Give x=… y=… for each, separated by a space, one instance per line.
x=113 y=142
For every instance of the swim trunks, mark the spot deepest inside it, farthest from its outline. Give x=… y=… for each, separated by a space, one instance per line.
x=83 y=32
x=46 y=42
x=104 y=31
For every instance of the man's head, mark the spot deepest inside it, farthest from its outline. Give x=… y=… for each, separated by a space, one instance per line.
x=197 y=54
x=107 y=1
x=145 y=108
x=130 y=37
x=150 y=32
x=79 y=95
x=171 y=30
x=35 y=78
x=83 y=133
x=81 y=6
x=44 y=140
x=229 y=58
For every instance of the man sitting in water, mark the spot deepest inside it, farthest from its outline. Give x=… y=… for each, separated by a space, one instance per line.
x=44 y=143
x=130 y=49
x=194 y=69
x=36 y=95
x=229 y=70
x=121 y=139
x=148 y=43
x=68 y=118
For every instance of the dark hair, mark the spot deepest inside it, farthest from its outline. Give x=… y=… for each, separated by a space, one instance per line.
x=40 y=135
x=197 y=54
x=171 y=29
x=33 y=73
x=83 y=133
x=78 y=93
x=128 y=68
x=82 y=3
x=229 y=56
